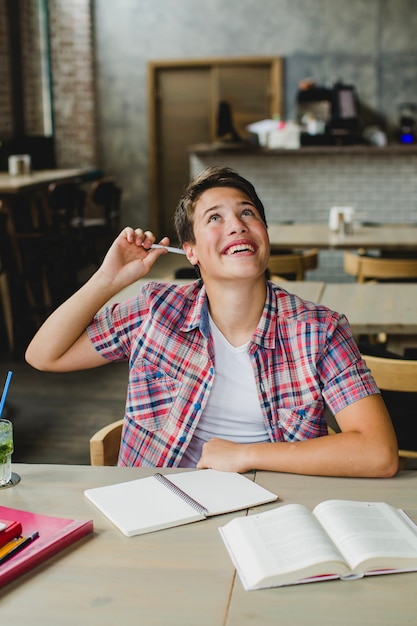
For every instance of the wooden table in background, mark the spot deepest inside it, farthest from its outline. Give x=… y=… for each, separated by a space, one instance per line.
x=34 y=189
x=183 y=576
x=12 y=185
x=372 y=308
x=381 y=237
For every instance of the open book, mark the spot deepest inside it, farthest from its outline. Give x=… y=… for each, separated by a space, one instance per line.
x=340 y=539
x=162 y=501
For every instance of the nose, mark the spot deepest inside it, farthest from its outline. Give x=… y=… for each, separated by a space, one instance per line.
x=237 y=225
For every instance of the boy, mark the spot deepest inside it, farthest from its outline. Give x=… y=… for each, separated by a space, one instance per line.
x=230 y=372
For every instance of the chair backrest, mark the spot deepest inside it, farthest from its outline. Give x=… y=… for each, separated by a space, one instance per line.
x=107 y=194
x=393 y=374
x=366 y=268
x=396 y=375
x=105 y=444
x=293 y=264
x=66 y=202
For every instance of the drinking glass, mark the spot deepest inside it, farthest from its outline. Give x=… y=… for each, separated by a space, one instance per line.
x=6 y=449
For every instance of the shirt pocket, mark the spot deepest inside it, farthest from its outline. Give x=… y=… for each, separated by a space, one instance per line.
x=303 y=422
x=151 y=394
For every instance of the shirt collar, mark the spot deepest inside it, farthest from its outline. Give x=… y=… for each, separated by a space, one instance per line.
x=198 y=316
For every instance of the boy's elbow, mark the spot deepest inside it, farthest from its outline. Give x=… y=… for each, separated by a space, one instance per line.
x=389 y=470
x=388 y=464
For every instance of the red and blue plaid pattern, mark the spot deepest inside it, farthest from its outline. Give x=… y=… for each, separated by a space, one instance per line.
x=303 y=355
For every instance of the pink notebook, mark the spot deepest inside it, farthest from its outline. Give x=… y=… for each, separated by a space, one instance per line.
x=55 y=534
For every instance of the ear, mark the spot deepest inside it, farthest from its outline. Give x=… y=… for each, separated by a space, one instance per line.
x=189 y=251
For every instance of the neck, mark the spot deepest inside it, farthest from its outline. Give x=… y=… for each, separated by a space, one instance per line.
x=237 y=308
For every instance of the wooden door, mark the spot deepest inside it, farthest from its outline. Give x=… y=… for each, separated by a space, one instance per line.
x=184 y=102
x=182 y=110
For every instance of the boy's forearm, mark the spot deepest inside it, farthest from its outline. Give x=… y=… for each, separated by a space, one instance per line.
x=344 y=454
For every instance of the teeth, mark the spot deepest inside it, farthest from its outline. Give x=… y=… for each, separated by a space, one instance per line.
x=241 y=248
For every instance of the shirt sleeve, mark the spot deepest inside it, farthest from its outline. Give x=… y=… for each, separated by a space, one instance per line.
x=345 y=375
x=112 y=330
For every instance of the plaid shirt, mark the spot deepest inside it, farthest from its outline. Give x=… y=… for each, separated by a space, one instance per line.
x=303 y=357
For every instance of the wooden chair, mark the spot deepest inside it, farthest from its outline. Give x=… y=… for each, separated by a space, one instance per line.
x=366 y=268
x=105 y=444
x=102 y=216
x=397 y=375
x=66 y=202
x=293 y=265
x=106 y=194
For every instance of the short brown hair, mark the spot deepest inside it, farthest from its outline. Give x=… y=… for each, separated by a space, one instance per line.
x=209 y=178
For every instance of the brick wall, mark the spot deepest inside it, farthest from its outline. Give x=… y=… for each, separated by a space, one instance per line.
x=31 y=69
x=72 y=82
x=5 y=92
x=72 y=78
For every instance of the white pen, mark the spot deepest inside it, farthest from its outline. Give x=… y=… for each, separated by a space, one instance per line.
x=175 y=250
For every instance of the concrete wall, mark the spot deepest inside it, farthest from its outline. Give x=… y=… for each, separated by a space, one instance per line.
x=369 y=43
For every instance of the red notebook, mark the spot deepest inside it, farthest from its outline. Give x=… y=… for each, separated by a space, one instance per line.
x=55 y=534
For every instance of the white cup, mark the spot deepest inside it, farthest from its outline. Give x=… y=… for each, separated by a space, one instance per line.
x=6 y=449
x=336 y=218
x=341 y=219
x=20 y=165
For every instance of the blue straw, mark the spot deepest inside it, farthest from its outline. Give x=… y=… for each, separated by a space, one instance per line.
x=5 y=390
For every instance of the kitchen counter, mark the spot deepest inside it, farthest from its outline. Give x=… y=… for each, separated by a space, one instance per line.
x=251 y=149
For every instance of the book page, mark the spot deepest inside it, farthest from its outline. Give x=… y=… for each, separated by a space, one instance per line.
x=141 y=506
x=370 y=535
x=281 y=546
x=221 y=492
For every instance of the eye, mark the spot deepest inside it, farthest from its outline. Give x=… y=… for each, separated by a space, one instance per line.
x=214 y=217
x=246 y=212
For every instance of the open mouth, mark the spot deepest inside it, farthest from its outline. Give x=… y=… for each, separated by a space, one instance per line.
x=240 y=248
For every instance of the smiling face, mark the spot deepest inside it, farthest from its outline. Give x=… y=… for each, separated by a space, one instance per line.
x=231 y=240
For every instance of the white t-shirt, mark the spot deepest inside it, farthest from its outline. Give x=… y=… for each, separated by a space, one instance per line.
x=233 y=411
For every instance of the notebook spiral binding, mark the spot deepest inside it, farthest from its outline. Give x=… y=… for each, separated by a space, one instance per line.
x=182 y=494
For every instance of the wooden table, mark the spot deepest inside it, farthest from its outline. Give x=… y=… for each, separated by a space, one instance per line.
x=308 y=290
x=183 y=576
x=383 y=237
x=374 y=308
x=12 y=185
x=34 y=187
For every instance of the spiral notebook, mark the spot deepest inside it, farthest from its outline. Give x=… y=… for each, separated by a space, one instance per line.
x=163 y=501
